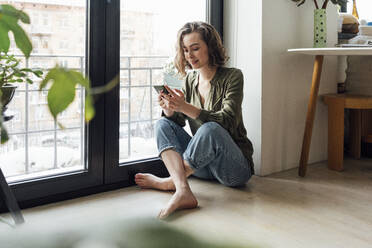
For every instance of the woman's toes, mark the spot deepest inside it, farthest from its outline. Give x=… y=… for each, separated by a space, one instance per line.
x=138 y=175
x=162 y=215
x=178 y=201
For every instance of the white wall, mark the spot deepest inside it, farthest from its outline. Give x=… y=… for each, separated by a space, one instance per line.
x=242 y=38
x=277 y=84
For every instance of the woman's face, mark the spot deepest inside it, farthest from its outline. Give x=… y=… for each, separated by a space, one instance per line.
x=195 y=50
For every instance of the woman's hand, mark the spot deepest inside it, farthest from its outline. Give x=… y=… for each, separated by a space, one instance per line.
x=175 y=99
x=164 y=104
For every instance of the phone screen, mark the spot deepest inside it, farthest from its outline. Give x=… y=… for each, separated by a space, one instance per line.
x=160 y=88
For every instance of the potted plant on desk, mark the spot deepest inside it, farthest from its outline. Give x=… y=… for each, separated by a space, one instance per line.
x=11 y=75
x=320 y=20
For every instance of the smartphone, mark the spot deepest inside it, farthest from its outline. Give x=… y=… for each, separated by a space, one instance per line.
x=160 y=88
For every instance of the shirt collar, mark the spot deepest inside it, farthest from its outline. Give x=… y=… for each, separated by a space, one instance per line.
x=213 y=80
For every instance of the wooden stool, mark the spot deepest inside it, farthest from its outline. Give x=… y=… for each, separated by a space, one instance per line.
x=337 y=103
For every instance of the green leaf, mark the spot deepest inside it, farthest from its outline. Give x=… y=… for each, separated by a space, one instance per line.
x=20 y=74
x=26 y=70
x=79 y=79
x=38 y=73
x=89 y=108
x=9 y=19
x=62 y=92
x=4 y=38
x=11 y=11
x=24 y=17
x=48 y=77
x=15 y=62
x=22 y=40
x=29 y=81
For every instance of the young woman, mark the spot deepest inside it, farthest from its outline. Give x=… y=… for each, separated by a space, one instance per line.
x=211 y=101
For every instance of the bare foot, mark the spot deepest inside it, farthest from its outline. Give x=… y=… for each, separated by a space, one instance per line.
x=182 y=199
x=149 y=181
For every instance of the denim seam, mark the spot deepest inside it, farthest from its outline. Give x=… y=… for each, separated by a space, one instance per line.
x=191 y=163
x=165 y=148
x=169 y=147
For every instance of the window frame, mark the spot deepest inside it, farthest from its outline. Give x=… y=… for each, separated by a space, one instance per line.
x=102 y=133
x=114 y=171
x=39 y=191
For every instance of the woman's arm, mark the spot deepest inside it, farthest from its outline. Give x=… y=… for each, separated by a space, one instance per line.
x=190 y=110
x=230 y=109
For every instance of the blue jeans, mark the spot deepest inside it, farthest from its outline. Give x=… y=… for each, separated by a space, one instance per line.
x=211 y=152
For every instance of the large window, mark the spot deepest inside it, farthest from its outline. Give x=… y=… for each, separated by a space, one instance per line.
x=131 y=39
x=148 y=32
x=37 y=146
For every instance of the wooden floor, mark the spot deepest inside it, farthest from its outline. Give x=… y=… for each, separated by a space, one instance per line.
x=324 y=209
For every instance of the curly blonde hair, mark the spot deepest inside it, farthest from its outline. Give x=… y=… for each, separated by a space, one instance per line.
x=216 y=50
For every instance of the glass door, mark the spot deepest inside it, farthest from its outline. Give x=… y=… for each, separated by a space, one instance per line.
x=129 y=41
x=37 y=146
x=148 y=33
x=40 y=158
x=147 y=42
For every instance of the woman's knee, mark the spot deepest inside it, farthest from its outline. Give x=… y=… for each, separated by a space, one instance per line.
x=210 y=128
x=162 y=127
x=162 y=123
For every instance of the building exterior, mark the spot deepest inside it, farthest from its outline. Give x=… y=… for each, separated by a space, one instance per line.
x=58 y=35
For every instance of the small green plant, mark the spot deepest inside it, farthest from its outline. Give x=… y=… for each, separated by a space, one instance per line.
x=324 y=5
x=63 y=81
x=11 y=73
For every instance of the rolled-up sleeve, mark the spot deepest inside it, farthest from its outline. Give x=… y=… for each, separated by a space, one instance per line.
x=231 y=104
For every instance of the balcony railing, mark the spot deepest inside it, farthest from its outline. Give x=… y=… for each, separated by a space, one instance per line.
x=128 y=66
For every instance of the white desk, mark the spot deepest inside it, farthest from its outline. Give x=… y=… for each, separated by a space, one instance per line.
x=333 y=51
x=319 y=54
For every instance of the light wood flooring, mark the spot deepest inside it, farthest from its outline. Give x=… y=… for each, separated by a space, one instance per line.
x=324 y=209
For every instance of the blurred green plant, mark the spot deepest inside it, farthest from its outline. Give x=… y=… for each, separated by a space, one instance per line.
x=10 y=72
x=125 y=233
x=324 y=5
x=63 y=81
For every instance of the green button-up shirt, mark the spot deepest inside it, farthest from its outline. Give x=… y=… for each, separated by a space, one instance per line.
x=223 y=105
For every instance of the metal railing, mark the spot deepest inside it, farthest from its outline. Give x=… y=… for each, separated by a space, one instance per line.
x=128 y=60
x=129 y=68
